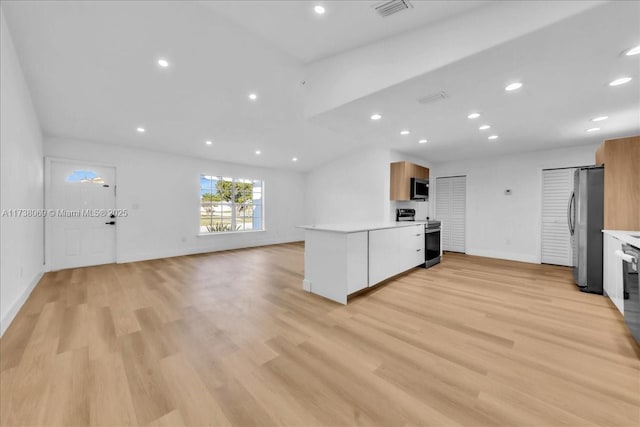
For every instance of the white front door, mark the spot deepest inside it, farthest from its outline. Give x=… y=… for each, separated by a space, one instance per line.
x=81 y=221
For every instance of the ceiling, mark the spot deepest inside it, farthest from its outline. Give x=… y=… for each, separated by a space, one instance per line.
x=565 y=70
x=295 y=28
x=91 y=68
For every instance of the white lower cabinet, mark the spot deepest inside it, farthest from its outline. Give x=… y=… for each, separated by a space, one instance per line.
x=612 y=271
x=357 y=261
x=338 y=264
x=411 y=247
x=394 y=250
x=335 y=264
x=383 y=254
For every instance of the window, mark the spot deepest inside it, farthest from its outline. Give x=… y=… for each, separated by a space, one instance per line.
x=230 y=204
x=84 y=177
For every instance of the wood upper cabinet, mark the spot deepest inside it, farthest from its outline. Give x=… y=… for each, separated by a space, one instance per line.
x=401 y=174
x=621 y=160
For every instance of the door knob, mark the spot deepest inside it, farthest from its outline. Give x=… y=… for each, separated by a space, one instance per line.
x=110 y=223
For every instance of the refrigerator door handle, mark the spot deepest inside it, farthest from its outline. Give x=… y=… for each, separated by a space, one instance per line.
x=626 y=257
x=570 y=222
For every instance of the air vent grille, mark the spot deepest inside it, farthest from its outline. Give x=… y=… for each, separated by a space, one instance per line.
x=434 y=97
x=390 y=7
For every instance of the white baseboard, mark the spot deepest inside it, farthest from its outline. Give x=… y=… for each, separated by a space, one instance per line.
x=147 y=256
x=18 y=303
x=504 y=255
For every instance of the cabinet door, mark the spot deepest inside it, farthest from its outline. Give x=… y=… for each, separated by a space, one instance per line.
x=612 y=271
x=383 y=254
x=410 y=247
x=357 y=262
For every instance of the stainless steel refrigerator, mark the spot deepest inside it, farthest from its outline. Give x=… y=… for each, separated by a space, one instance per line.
x=586 y=219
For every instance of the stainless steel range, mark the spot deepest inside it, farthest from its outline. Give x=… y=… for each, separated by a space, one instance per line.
x=432 y=242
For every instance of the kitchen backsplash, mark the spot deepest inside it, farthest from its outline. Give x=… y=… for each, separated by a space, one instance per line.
x=422 y=208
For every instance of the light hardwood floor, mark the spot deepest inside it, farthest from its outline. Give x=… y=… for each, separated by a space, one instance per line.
x=231 y=339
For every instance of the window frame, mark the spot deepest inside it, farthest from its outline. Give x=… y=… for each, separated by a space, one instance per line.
x=233 y=205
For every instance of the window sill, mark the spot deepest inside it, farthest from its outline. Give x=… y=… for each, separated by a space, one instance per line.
x=225 y=233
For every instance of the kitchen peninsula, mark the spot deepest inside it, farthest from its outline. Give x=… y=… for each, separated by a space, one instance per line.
x=340 y=260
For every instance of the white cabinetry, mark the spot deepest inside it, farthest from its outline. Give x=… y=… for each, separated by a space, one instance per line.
x=340 y=260
x=383 y=256
x=394 y=250
x=612 y=271
x=411 y=247
x=335 y=264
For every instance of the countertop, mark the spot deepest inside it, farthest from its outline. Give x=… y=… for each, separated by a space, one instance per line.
x=356 y=228
x=630 y=237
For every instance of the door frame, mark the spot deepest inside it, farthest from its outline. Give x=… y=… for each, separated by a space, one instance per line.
x=47 y=202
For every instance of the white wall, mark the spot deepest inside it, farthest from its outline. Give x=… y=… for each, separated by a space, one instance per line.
x=21 y=253
x=352 y=188
x=355 y=189
x=161 y=192
x=501 y=226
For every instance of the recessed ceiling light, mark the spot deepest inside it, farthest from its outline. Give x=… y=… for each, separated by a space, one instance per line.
x=319 y=10
x=141 y=130
x=620 y=81
x=633 y=51
x=208 y=142
x=376 y=116
x=513 y=86
x=422 y=141
x=593 y=129
x=599 y=119
x=253 y=96
x=163 y=63
x=473 y=116
x=484 y=127
x=493 y=137
x=258 y=152
x=295 y=159
x=404 y=132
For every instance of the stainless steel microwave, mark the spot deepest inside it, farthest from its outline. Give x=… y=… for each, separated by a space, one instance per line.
x=419 y=189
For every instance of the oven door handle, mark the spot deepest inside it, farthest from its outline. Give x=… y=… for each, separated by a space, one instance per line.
x=433 y=230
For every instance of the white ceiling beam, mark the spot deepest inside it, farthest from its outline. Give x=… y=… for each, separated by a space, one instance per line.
x=337 y=80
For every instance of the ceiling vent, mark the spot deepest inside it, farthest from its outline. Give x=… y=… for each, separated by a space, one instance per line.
x=434 y=97
x=390 y=7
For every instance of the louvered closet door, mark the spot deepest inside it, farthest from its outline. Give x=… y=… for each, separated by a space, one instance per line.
x=450 y=209
x=557 y=243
